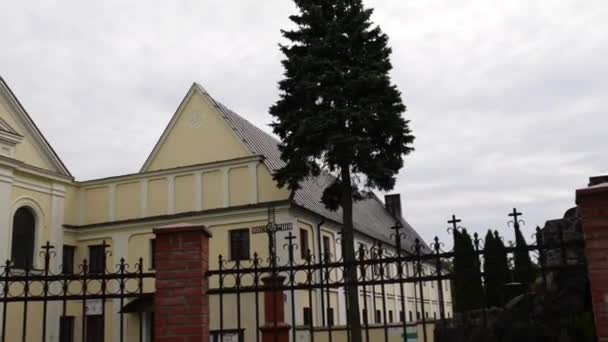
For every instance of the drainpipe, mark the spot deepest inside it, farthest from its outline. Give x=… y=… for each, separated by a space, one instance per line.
x=321 y=271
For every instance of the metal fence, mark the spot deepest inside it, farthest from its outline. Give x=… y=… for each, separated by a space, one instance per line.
x=241 y=311
x=35 y=298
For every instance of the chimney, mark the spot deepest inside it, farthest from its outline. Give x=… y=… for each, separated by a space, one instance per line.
x=393 y=204
x=598 y=180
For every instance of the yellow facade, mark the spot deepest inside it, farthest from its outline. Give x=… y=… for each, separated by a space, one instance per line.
x=199 y=172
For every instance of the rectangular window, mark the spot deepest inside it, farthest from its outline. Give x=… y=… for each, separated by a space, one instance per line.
x=364 y=314
x=307 y=316
x=330 y=317
x=411 y=316
x=152 y=253
x=434 y=314
x=401 y=317
x=378 y=317
x=94 y=328
x=304 y=247
x=239 y=244
x=417 y=314
x=426 y=314
x=66 y=329
x=97 y=259
x=390 y=316
x=326 y=248
x=68 y=259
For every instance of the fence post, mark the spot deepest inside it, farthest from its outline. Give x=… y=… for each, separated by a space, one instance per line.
x=181 y=304
x=274 y=329
x=593 y=206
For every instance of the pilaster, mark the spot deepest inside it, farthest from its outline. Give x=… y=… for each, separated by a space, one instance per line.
x=198 y=194
x=225 y=187
x=120 y=249
x=171 y=194
x=143 y=209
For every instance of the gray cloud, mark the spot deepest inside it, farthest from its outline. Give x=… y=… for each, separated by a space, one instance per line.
x=506 y=98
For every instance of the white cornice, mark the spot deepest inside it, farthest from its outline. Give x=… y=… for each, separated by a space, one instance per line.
x=225 y=217
x=168 y=172
x=10 y=138
x=32 y=170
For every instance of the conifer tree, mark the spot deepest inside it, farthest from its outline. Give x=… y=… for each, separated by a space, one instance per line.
x=473 y=288
x=491 y=267
x=468 y=290
x=459 y=272
x=523 y=270
x=503 y=261
x=339 y=113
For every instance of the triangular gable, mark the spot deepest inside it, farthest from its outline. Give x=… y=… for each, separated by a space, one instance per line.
x=198 y=133
x=5 y=127
x=36 y=149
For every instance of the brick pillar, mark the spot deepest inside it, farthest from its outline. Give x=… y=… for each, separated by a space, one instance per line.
x=593 y=205
x=181 y=304
x=274 y=329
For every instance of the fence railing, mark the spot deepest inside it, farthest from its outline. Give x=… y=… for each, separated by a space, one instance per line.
x=390 y=278
x=33 y=299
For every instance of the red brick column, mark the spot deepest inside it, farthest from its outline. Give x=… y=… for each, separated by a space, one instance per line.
x=593 y=205
x=274 y=329
x=181 y=304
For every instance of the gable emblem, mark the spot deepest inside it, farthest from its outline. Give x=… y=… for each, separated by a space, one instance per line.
x=196 y=120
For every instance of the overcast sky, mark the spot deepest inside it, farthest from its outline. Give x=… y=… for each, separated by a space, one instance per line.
x=506 y=98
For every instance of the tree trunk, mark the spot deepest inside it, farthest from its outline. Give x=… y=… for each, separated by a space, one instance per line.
x=348 y=251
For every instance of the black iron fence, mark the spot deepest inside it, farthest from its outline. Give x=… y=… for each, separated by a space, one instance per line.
x=33 y=299
x=414 y=280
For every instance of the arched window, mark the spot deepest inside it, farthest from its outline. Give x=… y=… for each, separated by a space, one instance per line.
x=24 y=235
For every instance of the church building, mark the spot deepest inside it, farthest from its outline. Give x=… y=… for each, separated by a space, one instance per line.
x=209 y=167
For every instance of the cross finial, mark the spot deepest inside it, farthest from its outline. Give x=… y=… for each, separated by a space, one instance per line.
x=290 y=237
x=47 y=246
x=397 y=227
x=514 y=214
x=454 y=222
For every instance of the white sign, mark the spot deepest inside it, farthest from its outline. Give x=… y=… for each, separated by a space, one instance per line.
x=93 y=307
x=228 y=337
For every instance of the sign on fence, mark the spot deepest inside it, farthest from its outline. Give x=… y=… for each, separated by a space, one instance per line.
x=93 y=307
x=411 y=335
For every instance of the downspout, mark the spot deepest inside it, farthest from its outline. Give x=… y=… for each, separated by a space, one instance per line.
x=320 y=258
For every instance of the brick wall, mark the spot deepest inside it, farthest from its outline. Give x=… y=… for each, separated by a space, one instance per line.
x=593 y=205
x=181 y=305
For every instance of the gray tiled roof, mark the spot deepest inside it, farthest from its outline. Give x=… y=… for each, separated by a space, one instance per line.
x=369 y=215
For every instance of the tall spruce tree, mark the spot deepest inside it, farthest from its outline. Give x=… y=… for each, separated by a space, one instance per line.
x=339 y=113
x=491 y=268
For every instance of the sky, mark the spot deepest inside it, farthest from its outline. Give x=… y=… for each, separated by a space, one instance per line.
x=504 y=97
